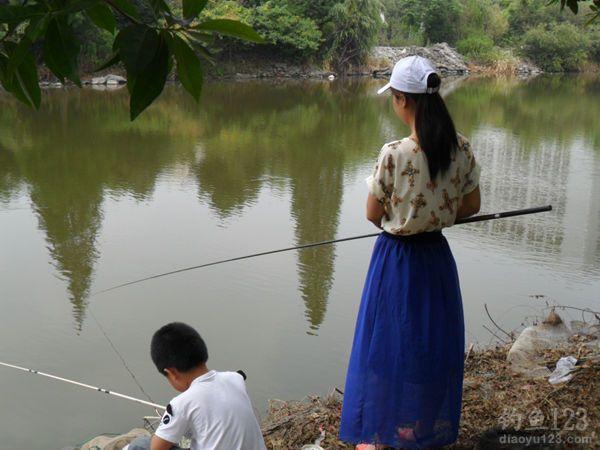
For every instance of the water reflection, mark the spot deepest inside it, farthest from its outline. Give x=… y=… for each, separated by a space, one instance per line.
x=307 y=134
x=302 y=139
x=538 y=145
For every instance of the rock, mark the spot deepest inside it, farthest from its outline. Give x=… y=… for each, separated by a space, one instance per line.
x=527 y=68
x=109 y=80
x=447 y=60
x=98 y=80
x=524 y=354
x=115 y=79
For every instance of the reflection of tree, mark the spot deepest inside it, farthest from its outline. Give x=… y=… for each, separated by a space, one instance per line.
x=528 y=137
x=9 y=178
x=307 y=136
x=307 y=133
x=69 y=163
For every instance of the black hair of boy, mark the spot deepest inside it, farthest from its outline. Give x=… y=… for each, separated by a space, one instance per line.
x=177 y=345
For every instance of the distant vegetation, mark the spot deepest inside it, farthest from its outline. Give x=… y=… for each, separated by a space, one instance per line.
x=341 y=32
x=489 y=30
x=151 y=38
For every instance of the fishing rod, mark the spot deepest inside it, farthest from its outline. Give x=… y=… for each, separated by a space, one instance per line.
x=480 y=218
x=87 y=386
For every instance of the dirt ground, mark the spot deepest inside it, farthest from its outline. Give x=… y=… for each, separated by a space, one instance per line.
x=495 y=401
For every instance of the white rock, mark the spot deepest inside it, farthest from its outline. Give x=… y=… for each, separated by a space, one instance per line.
x=115 y=79
x=98 y=80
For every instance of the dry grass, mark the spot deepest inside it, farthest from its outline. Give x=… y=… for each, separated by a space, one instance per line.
x=492 y=392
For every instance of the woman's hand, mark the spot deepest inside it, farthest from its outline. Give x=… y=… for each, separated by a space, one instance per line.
x=470 y=204
x=375 y=211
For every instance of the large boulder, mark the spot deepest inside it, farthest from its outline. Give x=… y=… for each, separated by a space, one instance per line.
x=524 y=355
x=447 y=60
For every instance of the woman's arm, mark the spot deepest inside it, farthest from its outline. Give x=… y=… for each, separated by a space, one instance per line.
x=375 y=210
x=470 y=204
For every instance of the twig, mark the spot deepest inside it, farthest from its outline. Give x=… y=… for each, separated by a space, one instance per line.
x=587 y=310
x=494 y=334
x=497 y=326
x=471 y=345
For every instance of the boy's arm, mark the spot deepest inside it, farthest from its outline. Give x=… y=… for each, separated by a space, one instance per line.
x=160 y=444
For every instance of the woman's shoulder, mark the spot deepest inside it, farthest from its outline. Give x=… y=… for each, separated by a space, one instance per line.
x=399 y=146
x=463 y=142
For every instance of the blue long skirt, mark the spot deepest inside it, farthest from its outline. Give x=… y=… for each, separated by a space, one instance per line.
x=407 y=360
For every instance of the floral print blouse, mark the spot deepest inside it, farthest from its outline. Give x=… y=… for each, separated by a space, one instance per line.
x=413 y=202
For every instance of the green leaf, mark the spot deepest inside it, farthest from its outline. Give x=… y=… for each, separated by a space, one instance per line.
x=19 y=52
x=126 y=7
x=232 y=28
x=27 y=77
x=189 y=69
x=191 y=8
x=22 y=81
x=145 y=86
x=13 y=14
x=116 y=58
x=196 y=40
x=37 y=27
x=160 y=6
x=75 y=6
x=137 y=46
x=61 y=49
x=103 y=17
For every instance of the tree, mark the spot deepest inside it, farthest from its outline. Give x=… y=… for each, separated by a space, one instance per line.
x=153 y=38
x=573 y=5
x=280 y=26
x=556 y=47
x=440 y=21
x=356 y=26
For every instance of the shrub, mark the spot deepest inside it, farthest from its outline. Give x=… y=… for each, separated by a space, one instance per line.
x=274 y=21
x=556 y=48
x=594 y=51
x=477 y=46
x=356 y=25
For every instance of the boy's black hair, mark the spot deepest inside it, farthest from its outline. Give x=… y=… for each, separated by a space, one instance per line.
x=177 y=345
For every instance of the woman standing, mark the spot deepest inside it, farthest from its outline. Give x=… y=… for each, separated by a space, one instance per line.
x=405 y=376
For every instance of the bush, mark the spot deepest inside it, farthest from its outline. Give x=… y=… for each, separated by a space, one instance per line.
x=356 y=25
x=225 y=9
x=556 y=48
x=477 y=46
x=275 y=23
x=594 y=51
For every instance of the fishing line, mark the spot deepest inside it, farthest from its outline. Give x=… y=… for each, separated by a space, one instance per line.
x=519 y=212
x=112 y=345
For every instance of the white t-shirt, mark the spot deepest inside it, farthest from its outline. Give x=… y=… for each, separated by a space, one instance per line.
x=215 y=413
x=413 y=202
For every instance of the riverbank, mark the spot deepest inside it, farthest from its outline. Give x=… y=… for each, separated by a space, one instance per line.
x=499 y=402
x=379 y=64
x=507 y=397
x=250 y=66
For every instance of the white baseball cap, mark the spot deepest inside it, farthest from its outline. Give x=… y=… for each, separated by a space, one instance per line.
x=410 y=75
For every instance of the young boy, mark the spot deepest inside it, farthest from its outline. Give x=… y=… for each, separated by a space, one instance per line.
x=213 y=408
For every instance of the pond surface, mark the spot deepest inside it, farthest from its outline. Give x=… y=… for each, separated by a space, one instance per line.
x=89 y=200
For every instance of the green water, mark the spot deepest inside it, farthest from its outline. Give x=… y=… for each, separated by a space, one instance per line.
x=89 y=200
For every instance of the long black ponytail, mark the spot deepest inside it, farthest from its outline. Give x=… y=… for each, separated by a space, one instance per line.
x=434 y=126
